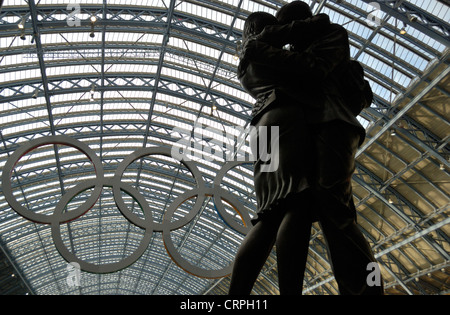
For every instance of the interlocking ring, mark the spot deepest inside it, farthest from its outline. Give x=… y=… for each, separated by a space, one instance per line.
x=201 y=192
x=58 y=217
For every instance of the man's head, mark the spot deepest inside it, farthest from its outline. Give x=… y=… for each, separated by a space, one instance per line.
x=256 y=22
x=296 y=10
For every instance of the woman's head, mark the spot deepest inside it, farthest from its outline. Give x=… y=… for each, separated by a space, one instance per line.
x=296 y=10
x=256 y=22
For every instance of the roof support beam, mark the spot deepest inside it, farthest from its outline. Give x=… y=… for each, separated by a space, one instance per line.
x=406 y=108
x=165 y=42
x=412 y=238
x=402 y=202
x=400 y=11
x=40 y=56
x=219 y=60
x=102 y=80
x=388 y=251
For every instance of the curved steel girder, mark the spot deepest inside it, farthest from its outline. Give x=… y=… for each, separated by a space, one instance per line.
x=145 y=50
x=156 y=13
x=412 y=40
x=382 y=78
x=125 y=110
x=426 y=146
x=397 y=176
x=176 y=67
x=221 y=43
x=401 y=113
x=423 y=150
x=373 y=211
x=144 y=273
x=402 y=201
x=183 y=34
x=229 y=109
x=146 y=77
x=148 y=55
x=157 y=26
x=112 y=76
x=230 y=48
x=429 y=27
x=137 y=13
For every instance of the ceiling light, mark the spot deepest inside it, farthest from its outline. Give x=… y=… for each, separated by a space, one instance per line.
x=21 y=24
x=93 y=20
x=403 y=30
x=92 y=92
x=213 y=108
x=36 y=93
x=411 y=18
x=92 y=31
x=21 y=27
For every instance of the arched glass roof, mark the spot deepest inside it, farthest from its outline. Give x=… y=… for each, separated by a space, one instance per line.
x=156 y=74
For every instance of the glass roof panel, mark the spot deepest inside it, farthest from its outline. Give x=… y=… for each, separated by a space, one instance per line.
x=145 y=80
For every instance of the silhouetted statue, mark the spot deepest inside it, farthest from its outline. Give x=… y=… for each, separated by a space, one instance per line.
x=300 y=90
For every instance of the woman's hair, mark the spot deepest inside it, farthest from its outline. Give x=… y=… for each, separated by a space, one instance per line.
x=296 y=10
x=256 y=22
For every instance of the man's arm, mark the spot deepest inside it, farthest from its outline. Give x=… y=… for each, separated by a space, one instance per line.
x=316 y=62
x=298 y=31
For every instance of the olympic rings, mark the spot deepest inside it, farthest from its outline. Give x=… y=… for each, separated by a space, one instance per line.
x=111 y=267
x=59 y=216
